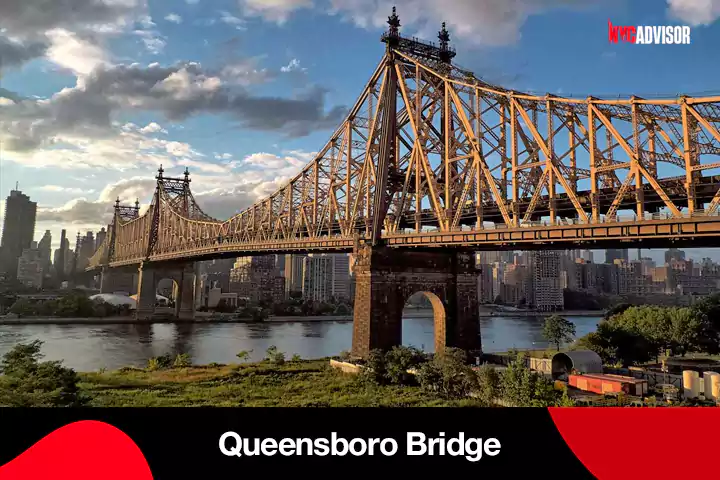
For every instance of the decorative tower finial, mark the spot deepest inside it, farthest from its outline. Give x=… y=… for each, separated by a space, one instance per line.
x=160 y=171
x=394 y=22
x=137 y=204
x=444 y=36
x=187 y=174
x=117 y=203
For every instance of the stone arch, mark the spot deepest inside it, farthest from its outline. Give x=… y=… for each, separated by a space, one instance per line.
x=183 y=278
x=439 y=316
x=385 y=280
x=171 y=289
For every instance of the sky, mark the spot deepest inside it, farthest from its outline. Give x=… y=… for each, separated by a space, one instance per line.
x=95 y=95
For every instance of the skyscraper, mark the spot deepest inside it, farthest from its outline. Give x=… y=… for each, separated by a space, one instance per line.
x=61 y=255
x=18 y=230
x=616 y=254
x=100 y=238
x=45 y=250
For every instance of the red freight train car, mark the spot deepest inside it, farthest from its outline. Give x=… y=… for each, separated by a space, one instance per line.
x=602 y=384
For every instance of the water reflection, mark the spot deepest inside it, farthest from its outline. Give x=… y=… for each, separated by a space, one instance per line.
x=90 y=347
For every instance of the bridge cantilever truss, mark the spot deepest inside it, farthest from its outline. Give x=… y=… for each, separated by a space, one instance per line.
x=432 y=155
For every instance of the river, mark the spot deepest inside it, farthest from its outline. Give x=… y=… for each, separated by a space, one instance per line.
x=91 y=347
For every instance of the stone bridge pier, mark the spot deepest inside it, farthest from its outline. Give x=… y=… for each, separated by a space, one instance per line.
x=386 y=278
x=150 y=274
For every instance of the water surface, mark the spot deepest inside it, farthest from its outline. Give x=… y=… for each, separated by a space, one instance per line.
x=91 y=347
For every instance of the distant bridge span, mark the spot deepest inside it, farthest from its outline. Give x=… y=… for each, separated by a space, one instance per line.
x=433 y=158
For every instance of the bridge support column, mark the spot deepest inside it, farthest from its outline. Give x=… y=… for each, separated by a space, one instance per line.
x=146 y=294
x=185 y=296
x=386 y=278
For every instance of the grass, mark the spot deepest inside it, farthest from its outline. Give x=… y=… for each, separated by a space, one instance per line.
x=305 y=383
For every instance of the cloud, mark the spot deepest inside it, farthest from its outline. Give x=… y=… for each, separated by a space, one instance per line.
x=230 y=19
x=293 y=66
x=153 y=41
x=220 y=190
x=30 y=18
x=273 y=10
x=61 y=189
x=79 y=210
x=695 y=12
x=87 y=110
x=486 y=22
x=174 y=18
x=282 y=166
x=71 y=51
x=153 y=127
x=14 y=53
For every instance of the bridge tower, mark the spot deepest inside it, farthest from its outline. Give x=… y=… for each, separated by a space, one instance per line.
x=118 y=279
x=173 y=194
x=386 y=278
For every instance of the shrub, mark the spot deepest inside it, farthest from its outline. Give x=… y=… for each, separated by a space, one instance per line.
x=375 y=370
x=522 y=387
x=274 y=356
x=399 y=360
x=244 y=355
x=182 y=360
x=448 y=375
x=296 y=358
x=159 y=363
x=27 y=382
x=489 y=384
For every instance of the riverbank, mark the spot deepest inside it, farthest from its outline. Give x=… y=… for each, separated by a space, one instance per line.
x=530 y=313
x=204 y=317
x=302 y=383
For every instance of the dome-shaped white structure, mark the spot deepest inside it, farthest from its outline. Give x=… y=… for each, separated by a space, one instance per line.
x=114 y=299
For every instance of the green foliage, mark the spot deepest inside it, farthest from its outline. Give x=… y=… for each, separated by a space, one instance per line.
x=74 y=304
x=708 y=309
x=637 y=334
x=565 y=400
x=27 y=382
x=272 y=355
x=244 y=355
x=375 y=368
x=159 y=363
x=259 y=384
x=616 y=310
x=182 y=360
x=489 y=384
x=522 y=387
x=558 y=330
x=448 y=375
x=399 y=360
x=616 y=345
x=344 y=356
x=296 y=358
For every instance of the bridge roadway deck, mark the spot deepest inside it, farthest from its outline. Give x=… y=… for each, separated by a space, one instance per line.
x=697 y=231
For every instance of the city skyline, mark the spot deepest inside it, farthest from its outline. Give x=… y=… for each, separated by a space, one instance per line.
x=97 y=138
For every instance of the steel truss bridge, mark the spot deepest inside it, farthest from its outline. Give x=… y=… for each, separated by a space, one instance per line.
x=432 y=156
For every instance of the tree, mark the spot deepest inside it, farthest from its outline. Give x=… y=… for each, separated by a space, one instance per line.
x=558 y=330
x=27 y=382
x=244 y=355
x=399 y=360
x=489 y=384
x=448 y=375
x=617 y=345
x=522 y=387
